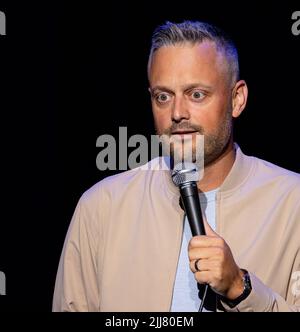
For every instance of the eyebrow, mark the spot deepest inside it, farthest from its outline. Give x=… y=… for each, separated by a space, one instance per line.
x=184 y=87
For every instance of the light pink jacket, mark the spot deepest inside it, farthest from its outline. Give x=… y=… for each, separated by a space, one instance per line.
x=123 y=243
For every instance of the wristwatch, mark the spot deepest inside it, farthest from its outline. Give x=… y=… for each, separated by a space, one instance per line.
x=246 y=291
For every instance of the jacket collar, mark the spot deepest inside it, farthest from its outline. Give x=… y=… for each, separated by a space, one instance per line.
x=240 y=171
x=242 y=168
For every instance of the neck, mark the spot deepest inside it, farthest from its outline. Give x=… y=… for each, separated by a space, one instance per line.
x=216 y=172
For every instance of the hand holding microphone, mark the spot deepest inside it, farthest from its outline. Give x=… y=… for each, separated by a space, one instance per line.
x=210 y=257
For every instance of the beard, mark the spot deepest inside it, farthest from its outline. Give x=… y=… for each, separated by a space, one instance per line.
x=211 y=147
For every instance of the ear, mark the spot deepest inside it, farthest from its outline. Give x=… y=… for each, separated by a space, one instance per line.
x=239 y=98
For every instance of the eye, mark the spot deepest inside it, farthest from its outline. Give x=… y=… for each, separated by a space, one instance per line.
x=198 y=95
x=162 y=98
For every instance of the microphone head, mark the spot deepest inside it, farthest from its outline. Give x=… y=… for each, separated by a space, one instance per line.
x=185 y=172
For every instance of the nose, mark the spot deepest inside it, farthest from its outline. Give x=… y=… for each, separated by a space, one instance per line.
x=180 y=110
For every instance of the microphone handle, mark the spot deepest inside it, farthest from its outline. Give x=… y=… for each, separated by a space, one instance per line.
x=190 y=199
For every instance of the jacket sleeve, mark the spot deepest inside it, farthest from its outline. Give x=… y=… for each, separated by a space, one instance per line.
x=264 y=299
x=76 y=286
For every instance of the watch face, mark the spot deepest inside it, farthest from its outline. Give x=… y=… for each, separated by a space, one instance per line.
x=247 y=282
x=247 y=288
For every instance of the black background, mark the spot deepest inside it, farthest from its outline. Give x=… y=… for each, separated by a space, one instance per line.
x=72 y=71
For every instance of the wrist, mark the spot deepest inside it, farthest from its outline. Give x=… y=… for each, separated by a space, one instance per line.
x=237 y=295
x=237 y=286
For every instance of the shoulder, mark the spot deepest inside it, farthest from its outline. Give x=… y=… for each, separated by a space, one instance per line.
x=277 y=178
x=118 y=184
x=273 y=171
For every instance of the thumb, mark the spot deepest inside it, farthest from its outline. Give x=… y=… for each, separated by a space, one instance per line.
x=208 y=230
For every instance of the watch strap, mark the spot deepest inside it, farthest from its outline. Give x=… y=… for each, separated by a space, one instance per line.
x=246 y=291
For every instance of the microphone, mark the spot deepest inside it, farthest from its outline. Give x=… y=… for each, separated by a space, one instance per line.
x=185 y=176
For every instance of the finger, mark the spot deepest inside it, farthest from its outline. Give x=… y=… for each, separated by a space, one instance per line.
x=204 y=265
x=205 y=253
x=203 y=241
x=208 y=230
x=197 y=265
x=203 y=277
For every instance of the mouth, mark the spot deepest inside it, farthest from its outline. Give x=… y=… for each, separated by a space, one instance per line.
x=184 y=132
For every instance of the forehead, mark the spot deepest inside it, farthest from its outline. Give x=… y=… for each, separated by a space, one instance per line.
x=185 y=62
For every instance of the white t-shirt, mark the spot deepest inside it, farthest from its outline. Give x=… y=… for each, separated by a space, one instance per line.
x=185 y=293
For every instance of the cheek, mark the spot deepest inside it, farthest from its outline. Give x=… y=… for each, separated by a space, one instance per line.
x=205 y=117
x=162 y=120
x=209 y=116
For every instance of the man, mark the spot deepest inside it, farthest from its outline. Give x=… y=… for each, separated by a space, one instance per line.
x=129 y=246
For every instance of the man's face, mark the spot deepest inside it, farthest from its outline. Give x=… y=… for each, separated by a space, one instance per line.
x=191 y=94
